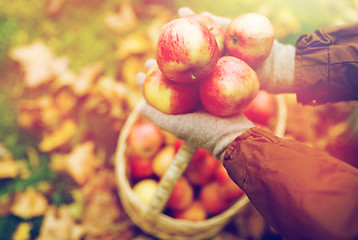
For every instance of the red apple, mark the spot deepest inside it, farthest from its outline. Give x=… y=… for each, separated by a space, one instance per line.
x=211 y=197
x=201 y=168
x=140 y=167
x=215 y=29
x=178 y=144
x=162 y=160
x=144 y=139
x=181 y=196
x=250 y=37
x=230 y=88
x=262 y=108
x=229 y=188
x=194 y=212
x=168 y=96
x=186 y=50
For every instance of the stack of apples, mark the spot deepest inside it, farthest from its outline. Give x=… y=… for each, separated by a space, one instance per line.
x=205 y=188
x=201 y=64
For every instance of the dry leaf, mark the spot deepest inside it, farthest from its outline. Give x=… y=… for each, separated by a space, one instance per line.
x=83 y=83
x=135 y=43
x=22 y=231
x=8 y=169
x=39 y=63
x=81 y=163
x=29 y=204
x=62 y=135
x=122 y=20
x=59 y=224
x=102 y=211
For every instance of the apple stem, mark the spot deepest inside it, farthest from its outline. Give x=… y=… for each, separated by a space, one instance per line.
x=170 y=178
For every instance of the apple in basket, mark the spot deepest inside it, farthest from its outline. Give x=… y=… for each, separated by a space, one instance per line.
x=181 y=196
x=201 y=167
x=230 y=88
x=168 y=96
x=140 y=167
x=145 y=190
x=144 y=139
x=163 y=159
x=217 y=31
x=250 y=37
x=212 y=199
x=229 y=188
x=186 y=50
x=194 y=212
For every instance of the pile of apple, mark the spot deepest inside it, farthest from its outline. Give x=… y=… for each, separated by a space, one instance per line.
x=200 y=62
x=205 y=188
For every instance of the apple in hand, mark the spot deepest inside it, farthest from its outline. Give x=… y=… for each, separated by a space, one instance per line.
x=168 y=96
x=250 y=37
x=140 y=167
x=181 y=196
x=230 y=88
x=229 y=188
x=186 y=50
x=194 y=212
x=262 y=108
x=163 y=159
x=201 y=167
x=217 y=31
x=144 y=139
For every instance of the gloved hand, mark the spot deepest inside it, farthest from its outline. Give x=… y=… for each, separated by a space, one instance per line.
x=276 y=73
x=199 y=128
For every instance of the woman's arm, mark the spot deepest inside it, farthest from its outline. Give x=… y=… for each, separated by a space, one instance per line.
x=326 y=65
x=302 y=192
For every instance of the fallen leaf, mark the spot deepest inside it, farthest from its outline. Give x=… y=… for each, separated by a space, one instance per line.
x=22 y=231
x=135 y=43
x=39 y=63
x=81 y=162
x=123 y=20
x=29 y=204
x=59 y=224
x=62 y=135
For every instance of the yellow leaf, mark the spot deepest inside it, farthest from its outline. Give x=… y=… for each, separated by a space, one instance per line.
x=59 y=224
x=135 y=43
x=59 y=137
x=81 y=162
x=123 y=20
x=29 y=204
x=22 y=231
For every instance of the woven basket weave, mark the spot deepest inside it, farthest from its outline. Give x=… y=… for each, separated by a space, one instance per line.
x=150 y=218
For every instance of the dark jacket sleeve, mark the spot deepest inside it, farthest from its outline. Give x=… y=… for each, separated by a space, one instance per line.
x=302 y=192
x=326 y=65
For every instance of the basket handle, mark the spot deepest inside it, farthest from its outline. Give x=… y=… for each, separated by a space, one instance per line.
x=170 y=178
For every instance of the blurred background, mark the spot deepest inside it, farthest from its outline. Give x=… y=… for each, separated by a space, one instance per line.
x=67 y=85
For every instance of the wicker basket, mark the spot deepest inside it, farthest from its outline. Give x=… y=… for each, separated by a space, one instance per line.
x=150 y=218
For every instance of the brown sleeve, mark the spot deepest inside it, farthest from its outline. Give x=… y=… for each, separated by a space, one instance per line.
x=326 y=65
x=302 y=192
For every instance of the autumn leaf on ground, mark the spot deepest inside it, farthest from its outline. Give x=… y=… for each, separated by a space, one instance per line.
x=62 y=135
x=135 y=43
x=39 y=63
x=59 y=224
x=81 y=163
x=123 y=20
x=29 y=204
